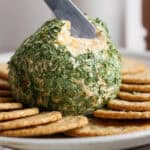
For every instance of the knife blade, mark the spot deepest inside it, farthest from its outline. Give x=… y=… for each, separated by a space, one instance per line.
x=67 y=10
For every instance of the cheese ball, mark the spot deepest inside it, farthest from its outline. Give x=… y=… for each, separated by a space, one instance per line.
x=56 y=71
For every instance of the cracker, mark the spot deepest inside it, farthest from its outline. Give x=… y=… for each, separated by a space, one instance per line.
x=65 y=124
x=140 y=78
x=111 y=114
x=38 y=119
x=18 y=114
x=6 y=99
x=4 y=85
x=135 y=87
x=5 y=93
x=128 y=106
x=132 y=66
x=102 y=127
x=4 y=71
x=10 y=106
x=135 y=96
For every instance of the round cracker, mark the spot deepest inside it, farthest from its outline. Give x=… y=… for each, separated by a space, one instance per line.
x=111 y=114
x=128 y=106
x=65 y=124
x=132 y=66
x=10 y=106
x=134 y=96
x=5 y=93
x=102 y=127
x=38 y=119
x=140 y=78
x=4 y=85
x=135 y=87
x=6 y=99
x=18 y=114
x=4 y=71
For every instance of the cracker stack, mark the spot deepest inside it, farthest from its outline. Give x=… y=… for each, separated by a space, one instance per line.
x=129 y=112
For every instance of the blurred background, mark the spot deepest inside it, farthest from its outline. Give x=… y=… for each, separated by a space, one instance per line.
x=128 y=20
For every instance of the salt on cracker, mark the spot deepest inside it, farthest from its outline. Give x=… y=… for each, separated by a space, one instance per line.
x=4 y=85
x=97 y=127
x=65 y=124
x=4 y=71
x=135 y=96
x=128 y=106
x=18 y=114
x=10 y=106
x=140 y=78
x=38 y=119
x=135 y=87
x=132 y=66
x=5 y=93
x=111 y=114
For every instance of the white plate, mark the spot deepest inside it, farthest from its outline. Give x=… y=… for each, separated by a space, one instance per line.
x=91 y=143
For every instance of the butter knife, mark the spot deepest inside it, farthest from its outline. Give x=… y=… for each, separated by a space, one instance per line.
x=67 y=10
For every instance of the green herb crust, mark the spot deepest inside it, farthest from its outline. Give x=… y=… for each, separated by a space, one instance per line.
x=44 y=73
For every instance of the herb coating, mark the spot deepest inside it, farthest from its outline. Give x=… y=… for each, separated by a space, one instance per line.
x=44 y=73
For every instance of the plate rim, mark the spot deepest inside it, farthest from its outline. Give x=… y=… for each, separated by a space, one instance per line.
x=77 y=140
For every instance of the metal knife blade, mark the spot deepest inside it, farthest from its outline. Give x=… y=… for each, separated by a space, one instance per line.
x=67 y=10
